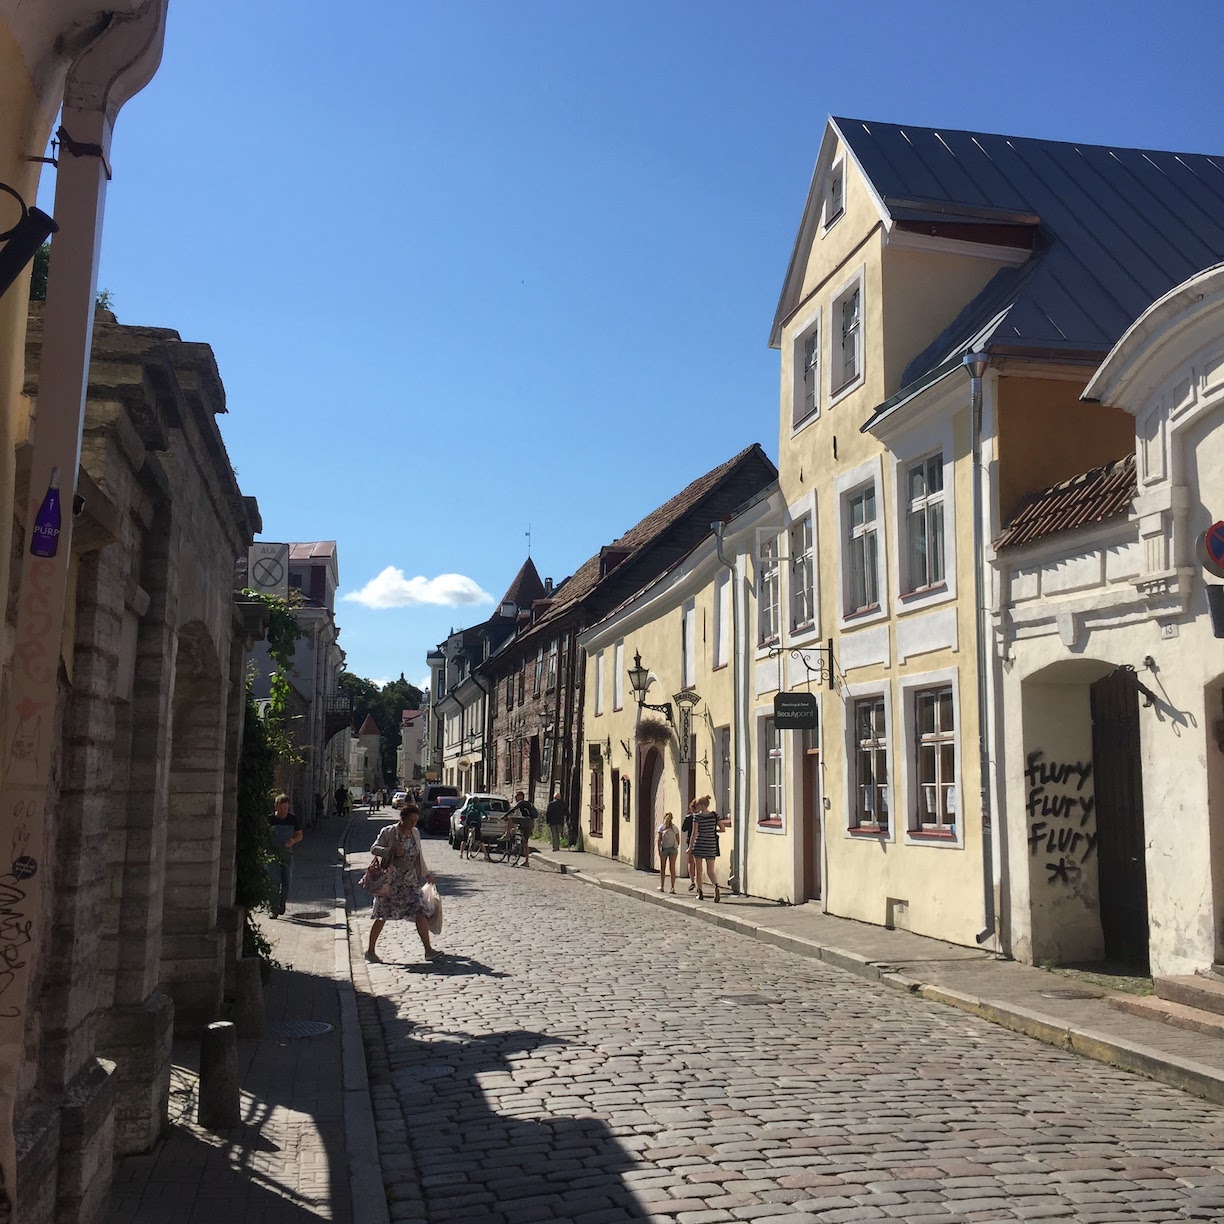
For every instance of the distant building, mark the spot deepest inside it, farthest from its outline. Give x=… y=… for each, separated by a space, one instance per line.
x=370 y=740
x=408 y=756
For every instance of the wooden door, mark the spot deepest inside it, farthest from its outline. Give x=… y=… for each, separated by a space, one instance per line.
x=812 y=810
x=614 y=814
x=1117 y=772
x=648 y=785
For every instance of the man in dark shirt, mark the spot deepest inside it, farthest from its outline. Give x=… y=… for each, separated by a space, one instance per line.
x=557 y=817
x=286 y=833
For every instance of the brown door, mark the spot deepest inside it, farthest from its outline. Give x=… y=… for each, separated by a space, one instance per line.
x=652 y=766
x=614 y=814
x=1117 y=772
x=811 y=817
x=597 y=801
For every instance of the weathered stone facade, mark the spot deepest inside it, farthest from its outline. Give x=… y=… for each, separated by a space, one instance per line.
x=137 y=925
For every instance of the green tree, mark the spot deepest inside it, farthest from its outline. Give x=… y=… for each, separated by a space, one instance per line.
x=386 y=705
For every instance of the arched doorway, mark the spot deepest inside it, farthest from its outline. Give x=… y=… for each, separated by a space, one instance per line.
x=649 y=781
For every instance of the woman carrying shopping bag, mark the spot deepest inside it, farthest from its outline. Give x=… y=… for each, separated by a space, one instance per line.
x=398 y=849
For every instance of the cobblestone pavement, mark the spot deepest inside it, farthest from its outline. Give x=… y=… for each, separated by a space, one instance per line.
x=579 y=1056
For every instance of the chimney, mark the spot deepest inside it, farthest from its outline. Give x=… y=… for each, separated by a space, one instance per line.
x=547 y=586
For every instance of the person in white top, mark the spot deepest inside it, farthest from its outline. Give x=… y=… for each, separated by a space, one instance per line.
x=667 y=836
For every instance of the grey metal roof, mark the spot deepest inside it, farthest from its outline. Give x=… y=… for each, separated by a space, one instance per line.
x=1116 y=228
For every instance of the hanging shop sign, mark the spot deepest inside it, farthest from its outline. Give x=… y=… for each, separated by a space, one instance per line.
x=796 y=712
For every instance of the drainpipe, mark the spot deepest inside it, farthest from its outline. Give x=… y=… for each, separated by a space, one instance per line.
x=975 y=366
x=738 y=883
x=117 y=64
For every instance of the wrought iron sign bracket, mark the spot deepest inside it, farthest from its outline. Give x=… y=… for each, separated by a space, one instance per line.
x=825 y=670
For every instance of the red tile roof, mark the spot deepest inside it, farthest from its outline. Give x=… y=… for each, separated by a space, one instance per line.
x=369 y=727
x=1082 y=501
x=312 y=549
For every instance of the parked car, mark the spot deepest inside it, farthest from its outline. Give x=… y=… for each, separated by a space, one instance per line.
x=492 y=827
x=439 y=816
x=435 y=791
x=398 y=798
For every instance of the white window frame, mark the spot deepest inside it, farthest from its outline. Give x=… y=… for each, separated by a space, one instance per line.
x=828 y=213
x=907 y=776
x=845 y=486
x=854 y=693
x=599 y=668
x=764 y=812
x=721 y=645
x=550 y=682
x=618 y=675
x=802 y=629
x=764 y=539
x=919 y=509
x=839 y=387
x=808 y=364
x=906 y=451
x=688 y=644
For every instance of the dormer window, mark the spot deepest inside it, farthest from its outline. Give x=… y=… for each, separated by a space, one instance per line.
x=835 y=191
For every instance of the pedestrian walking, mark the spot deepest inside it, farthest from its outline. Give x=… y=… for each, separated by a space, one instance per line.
x=686 y=836
x=398 y=847
x=704 y=845
x=557 y=817
x=524 y=811
x=668 y=837
x=286 y=833
x=341 y=800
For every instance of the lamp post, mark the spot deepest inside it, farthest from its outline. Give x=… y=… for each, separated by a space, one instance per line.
x=640 y=680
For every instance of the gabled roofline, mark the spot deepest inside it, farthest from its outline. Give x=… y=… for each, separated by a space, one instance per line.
x=788 y=298
x=1181 y=307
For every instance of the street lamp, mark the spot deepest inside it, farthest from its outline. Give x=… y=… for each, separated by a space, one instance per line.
x=640 y=680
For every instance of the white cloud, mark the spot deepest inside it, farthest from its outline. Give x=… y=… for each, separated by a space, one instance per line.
x=391 y=589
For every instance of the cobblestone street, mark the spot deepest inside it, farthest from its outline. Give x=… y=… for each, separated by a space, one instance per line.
x=579 y=1056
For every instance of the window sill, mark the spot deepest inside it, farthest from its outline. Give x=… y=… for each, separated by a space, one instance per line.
x=797 y=427
x=832 y=221
x=946 y=834
x=718 y=667
x=913 y=601
x=868 y=830
x=773 y=826
x=847 y=388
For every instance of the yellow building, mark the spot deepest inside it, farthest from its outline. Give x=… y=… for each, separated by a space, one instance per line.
x=681 y=736
x=917 y=248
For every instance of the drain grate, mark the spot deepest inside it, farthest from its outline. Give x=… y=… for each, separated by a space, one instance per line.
x=299 y=1028
x=1072 y=993
x=311 y=914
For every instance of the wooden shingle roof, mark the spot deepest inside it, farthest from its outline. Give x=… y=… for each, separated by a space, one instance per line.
x=1082 y=501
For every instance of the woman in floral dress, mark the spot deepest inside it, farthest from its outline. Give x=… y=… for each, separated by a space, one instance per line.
x=398 y=847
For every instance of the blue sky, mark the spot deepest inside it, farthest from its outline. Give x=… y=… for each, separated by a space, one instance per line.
x=469 y=266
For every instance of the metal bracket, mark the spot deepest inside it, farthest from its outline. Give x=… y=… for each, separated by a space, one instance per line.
x=824 y=673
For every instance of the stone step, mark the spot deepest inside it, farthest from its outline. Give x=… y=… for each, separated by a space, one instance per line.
x=1182 y=1016
x=1192 y=989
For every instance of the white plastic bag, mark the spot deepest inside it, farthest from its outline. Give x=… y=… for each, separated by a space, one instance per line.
x=431 y=902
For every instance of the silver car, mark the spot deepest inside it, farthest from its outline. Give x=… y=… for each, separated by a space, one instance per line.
x=492 y=827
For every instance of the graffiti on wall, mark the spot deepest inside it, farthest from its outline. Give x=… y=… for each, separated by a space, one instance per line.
x=1060 y=815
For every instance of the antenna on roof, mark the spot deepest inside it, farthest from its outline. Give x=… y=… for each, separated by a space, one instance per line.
x=527 y=533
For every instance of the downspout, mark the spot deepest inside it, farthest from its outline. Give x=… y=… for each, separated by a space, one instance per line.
x=489 y=783
x=975 y=366
x=738 y=882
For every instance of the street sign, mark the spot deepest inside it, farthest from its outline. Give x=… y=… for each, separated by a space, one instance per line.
x=796 y=712
x=1210 y=548
x=268 y=569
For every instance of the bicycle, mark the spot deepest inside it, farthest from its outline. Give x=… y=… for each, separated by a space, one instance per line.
x=473 y=846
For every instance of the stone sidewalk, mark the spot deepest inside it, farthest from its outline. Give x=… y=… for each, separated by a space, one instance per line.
x=1050 y=1007
x=306 y=1150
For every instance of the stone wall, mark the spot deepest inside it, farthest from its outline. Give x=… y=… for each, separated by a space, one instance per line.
x=140 y=911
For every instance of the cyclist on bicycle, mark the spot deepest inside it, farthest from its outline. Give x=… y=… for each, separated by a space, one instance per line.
x=472 y=823
x=524 y=815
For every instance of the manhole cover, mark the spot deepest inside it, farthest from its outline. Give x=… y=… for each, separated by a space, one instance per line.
x=750 y=1000
x=1071 y=993
x=300 y=1028
x=311 y=914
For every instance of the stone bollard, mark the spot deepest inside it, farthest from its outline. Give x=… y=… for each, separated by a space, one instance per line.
x=248 y=997
x=219 y=1106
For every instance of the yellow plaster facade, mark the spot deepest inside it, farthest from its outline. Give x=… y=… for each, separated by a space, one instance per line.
x=880 y=816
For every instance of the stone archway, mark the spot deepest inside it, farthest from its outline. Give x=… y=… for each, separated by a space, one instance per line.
x=1083 y=813
x=650 y=778
x=192 y=946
